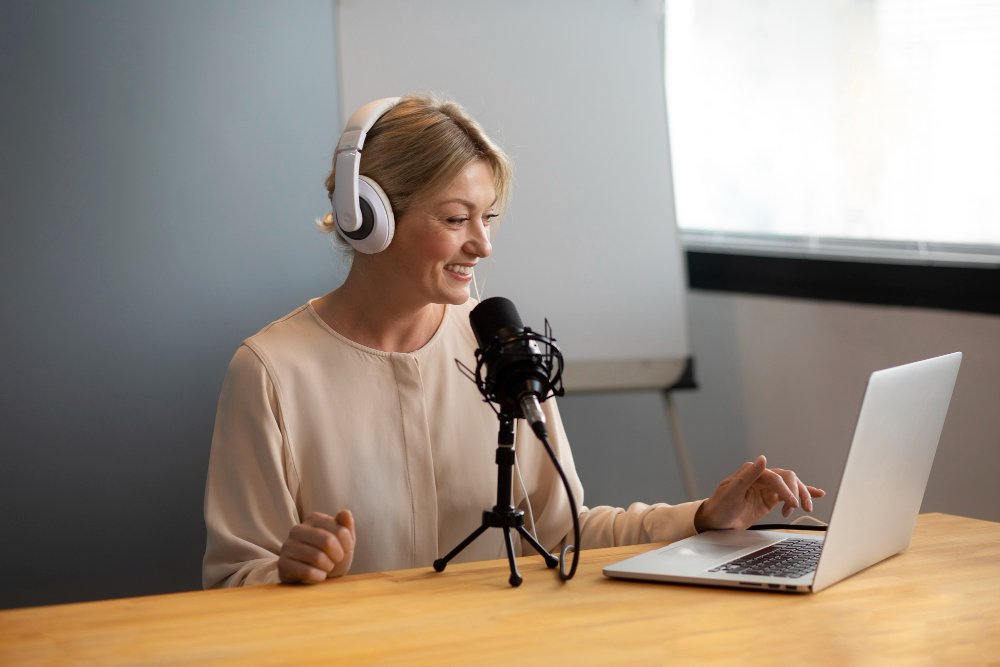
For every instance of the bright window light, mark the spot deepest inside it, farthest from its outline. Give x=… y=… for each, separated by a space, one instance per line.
x=841 y=119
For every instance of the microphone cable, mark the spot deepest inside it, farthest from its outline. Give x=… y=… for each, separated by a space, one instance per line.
x=524 y=488
x=542 y=432
x=478 y=299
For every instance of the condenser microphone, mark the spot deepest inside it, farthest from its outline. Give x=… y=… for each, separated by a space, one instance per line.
x=517 y=369
x=519 y=376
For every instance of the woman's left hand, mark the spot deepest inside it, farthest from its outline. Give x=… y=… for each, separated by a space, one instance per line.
x=750 y=493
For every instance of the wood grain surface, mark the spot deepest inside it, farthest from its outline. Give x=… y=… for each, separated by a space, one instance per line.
x=936 y=603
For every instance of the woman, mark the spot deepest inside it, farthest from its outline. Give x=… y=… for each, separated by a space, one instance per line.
x=346 y=439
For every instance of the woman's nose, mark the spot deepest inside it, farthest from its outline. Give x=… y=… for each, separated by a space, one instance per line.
x=479 y=243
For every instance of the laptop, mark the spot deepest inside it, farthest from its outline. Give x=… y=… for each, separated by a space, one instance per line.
x=876 y=507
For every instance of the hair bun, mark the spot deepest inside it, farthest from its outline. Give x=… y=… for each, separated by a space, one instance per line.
x=327 y=224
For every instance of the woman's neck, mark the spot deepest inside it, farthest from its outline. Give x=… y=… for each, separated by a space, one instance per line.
x=379 y=317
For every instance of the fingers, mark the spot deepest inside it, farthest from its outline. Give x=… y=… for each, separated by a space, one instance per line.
x=748 y=474
x=319 y=547
x=776 y=482
x=346 y=531
x=291 y=571
x=797 y=488
x=302 y=559
x=319 y=538
x=804 y=494
x=323 y=521
x=805 y=499
x=799 y=495
x=346 y=519
x=308 y=555
x=341 y=527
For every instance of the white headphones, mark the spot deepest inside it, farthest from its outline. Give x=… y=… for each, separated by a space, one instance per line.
x=361 y=209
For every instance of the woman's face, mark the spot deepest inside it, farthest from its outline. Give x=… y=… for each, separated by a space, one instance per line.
x=437 y=244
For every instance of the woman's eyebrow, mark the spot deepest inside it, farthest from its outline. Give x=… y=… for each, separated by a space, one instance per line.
x=465 y=202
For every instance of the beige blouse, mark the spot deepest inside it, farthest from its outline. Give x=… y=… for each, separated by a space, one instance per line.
x=311 y=421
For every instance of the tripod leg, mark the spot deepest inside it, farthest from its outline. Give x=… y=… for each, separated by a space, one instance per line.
x=440 y=563
x=550 y=560
x=515 y=576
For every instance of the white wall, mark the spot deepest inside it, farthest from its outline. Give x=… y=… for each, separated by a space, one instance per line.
x=785 y=377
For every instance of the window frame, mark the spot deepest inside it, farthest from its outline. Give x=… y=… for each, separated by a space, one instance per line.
x=964 y=287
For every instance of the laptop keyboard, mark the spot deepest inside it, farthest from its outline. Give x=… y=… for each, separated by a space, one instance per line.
x=793 y=557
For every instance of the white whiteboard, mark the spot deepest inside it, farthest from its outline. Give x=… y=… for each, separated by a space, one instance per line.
x=574 y=92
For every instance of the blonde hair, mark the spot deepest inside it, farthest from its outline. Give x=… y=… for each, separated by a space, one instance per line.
x=418 y=148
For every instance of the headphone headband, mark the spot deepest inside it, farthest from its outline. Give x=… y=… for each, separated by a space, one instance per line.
x=347 y=209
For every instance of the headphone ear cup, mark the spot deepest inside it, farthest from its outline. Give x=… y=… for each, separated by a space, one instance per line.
x=378 y=224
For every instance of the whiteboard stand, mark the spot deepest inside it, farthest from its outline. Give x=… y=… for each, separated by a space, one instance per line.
x=683 y=460
x=686 y=381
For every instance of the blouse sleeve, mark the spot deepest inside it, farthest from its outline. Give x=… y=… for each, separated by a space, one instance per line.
x=249 y=502
x=602 y=526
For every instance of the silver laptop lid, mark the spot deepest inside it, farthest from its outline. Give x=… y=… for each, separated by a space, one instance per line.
x=888 y=465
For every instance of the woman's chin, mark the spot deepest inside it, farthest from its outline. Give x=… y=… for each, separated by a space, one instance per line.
x=455 y=297
x=460 y=300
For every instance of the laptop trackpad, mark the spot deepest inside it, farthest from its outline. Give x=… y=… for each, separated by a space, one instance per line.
x=703 y=550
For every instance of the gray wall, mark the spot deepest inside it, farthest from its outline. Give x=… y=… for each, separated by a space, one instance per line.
x=802 y=367
x=161 y=165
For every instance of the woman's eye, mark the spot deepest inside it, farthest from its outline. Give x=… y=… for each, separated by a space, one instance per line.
x=457 y=221
x=488 y=218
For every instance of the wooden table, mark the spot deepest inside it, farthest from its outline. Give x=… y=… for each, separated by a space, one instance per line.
x=936 y=603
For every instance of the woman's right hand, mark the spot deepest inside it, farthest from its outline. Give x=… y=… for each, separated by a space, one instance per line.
x=321 y=546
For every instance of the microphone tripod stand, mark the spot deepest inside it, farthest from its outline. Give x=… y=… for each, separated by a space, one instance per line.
x=503 y=515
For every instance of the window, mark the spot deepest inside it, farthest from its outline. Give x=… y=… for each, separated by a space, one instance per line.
x=839 y=129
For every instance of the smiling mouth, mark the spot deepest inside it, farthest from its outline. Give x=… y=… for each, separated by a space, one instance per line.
x=459 y=269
